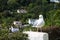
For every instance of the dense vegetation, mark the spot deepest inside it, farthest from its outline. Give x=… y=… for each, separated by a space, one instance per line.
x=8 y=14
x=6 y=35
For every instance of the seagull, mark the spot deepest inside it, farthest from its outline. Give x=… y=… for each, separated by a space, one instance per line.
x=39 y=22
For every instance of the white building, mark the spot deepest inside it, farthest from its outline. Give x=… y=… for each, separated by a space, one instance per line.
x=14 y=29
x=56 y=1
x=21 y=11
x=17 y=23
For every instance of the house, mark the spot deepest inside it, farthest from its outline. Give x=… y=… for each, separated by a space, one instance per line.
x=21 y=11
x=37 y=22
x=55 y=1
x=17 y=23
x=13 y=29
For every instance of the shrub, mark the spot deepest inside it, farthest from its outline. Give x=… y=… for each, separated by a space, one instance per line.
x=5 y=35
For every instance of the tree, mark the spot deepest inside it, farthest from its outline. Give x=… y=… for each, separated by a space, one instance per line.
x=3 y=5
x=12 y=4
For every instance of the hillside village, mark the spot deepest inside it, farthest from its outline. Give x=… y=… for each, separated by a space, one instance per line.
x=18 y=16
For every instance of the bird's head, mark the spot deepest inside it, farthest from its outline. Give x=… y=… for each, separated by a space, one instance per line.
x=40 y=16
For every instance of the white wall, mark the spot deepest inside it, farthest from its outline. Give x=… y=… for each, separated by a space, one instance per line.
x=37 y=35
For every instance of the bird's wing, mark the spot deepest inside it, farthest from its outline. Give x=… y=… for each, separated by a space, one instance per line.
x=35 y=23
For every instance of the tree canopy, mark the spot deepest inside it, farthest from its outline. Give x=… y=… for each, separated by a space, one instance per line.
x=8 y=10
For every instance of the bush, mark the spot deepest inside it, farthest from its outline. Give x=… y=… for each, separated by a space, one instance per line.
x=5 y=35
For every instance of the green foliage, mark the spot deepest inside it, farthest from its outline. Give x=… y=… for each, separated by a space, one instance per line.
x=34 y=8
x=17 y=36
x=53 y=18
x=5 y=35
x=3 y=5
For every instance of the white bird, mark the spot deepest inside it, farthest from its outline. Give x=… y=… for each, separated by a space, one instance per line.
x=14 y=29
x=40 y=22
x=37 y=22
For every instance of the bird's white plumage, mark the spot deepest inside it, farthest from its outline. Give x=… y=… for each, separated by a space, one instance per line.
x=37 y=22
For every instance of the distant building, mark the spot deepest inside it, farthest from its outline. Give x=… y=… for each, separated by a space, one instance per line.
x=55 y=1
x=17 y=23
x=21 y=11
x=14 y=29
